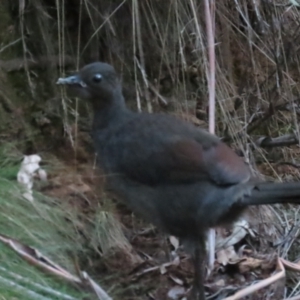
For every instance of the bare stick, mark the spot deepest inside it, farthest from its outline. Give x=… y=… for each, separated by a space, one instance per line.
x=211 y=116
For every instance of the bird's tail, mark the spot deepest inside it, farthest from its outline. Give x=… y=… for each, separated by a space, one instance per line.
x=271 y=193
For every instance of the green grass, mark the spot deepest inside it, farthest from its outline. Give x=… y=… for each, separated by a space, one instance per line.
x=46 y=225
x=13 y=265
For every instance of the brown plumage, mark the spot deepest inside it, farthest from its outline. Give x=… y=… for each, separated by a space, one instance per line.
x=179 y=177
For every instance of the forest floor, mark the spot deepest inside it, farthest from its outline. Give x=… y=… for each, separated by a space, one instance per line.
x=152 y=265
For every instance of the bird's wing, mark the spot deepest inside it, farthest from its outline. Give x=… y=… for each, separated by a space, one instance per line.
x=216 y=162
x=176 y=158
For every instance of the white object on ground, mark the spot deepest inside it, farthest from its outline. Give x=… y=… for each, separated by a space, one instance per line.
x=30 y=169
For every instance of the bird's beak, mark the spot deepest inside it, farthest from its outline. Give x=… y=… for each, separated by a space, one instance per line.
x=72 y=80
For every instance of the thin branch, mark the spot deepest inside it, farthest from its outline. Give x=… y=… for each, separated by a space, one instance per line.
x=284 y=140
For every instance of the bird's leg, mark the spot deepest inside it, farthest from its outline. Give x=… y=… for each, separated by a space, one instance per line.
x=199 y=265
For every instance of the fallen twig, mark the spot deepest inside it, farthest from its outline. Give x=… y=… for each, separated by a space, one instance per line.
x=261 y=284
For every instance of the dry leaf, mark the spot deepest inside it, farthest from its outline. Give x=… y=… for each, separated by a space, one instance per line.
x=176 y=292
x=226 y=255
x=239 y=231
x=176 y=280
x=249 y=264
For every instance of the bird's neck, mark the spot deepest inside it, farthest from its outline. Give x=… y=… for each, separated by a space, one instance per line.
x=111 y=113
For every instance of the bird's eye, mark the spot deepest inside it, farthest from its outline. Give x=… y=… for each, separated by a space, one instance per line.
x=97 y=78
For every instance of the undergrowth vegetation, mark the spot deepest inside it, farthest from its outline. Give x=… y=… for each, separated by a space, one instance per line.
x=45 y=225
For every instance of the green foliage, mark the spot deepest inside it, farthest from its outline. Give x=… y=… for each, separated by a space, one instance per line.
x=44 y=224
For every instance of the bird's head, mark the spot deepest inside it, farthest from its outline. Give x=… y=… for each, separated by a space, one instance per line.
x=97 y=82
